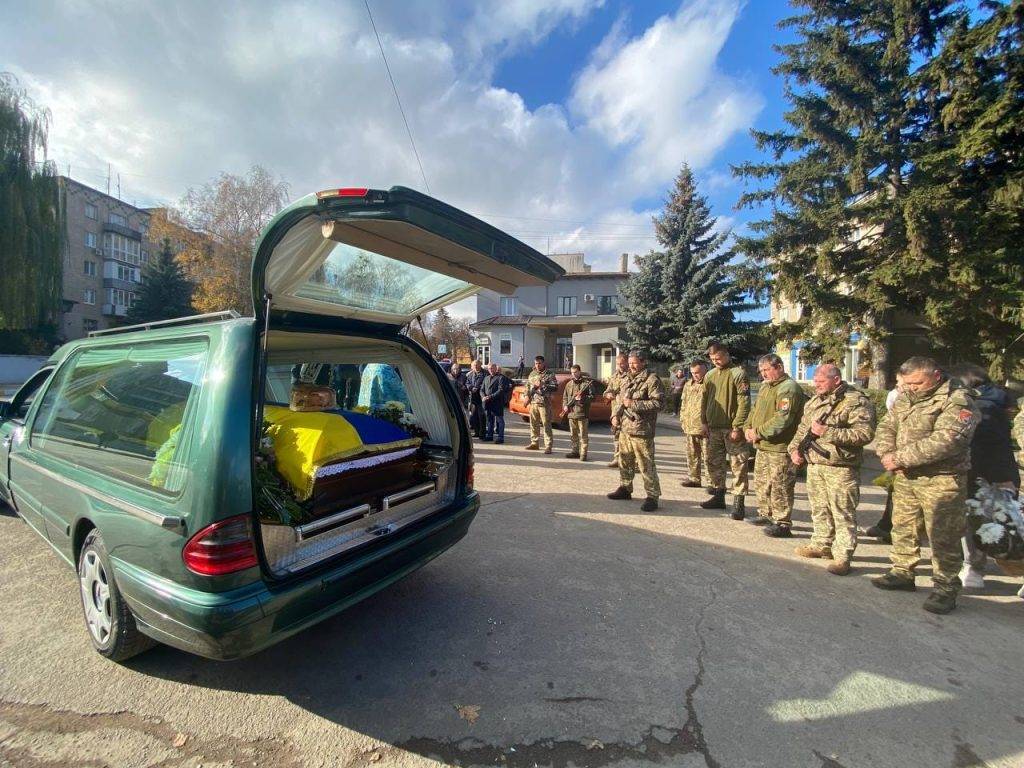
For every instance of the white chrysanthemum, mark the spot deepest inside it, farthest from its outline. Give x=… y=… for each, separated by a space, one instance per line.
x=990 y=533
x=1000 y=517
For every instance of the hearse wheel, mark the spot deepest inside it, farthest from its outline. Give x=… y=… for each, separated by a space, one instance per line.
x=110 y=623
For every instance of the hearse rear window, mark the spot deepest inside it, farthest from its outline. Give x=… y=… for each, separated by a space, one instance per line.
x=125 y=411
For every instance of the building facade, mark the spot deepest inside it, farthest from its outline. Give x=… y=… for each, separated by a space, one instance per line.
x=104 y=255
x=573 y=320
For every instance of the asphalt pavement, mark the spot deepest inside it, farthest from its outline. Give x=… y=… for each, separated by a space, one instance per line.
x=565 y=630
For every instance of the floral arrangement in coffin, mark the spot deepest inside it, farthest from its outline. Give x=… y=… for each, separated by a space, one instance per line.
x=394 y=412
x=275 y=501
x=997 y=522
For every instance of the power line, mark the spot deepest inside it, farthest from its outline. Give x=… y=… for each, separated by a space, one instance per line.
x=395 y=89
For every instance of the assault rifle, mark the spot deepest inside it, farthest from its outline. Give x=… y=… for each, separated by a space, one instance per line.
x=810 y=440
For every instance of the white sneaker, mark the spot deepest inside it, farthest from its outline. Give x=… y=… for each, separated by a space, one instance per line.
x=972 y=578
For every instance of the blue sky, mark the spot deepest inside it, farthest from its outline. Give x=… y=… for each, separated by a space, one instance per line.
x=561 y=121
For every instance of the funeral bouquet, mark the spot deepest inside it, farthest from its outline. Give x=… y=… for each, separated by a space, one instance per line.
x=997 y=522
x=275 y=500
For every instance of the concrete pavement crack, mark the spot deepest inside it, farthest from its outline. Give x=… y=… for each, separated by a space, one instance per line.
x=693 y=727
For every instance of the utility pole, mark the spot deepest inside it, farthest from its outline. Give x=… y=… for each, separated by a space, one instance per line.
x=108 y=179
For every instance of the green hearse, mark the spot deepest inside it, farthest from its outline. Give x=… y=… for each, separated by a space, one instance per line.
x=222 y=482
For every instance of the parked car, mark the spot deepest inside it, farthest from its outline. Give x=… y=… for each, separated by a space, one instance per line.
x=139 y=454
x=600 y=409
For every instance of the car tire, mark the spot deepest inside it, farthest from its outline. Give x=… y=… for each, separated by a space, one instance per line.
x=108 y=620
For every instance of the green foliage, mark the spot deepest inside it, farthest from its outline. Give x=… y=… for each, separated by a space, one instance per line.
x=897 y=184
x=688 y=294
x=165 y=292
x=31 y=216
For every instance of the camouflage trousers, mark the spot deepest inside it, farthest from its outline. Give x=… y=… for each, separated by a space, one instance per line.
x=774 y=480
x=834 y=493
x=940 y=500
x=719 y=446
x=636 y=454
x=540 y=419
x=696 y=455
x=579 y=436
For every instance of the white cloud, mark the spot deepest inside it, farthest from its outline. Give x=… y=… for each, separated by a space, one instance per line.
x=172 y=94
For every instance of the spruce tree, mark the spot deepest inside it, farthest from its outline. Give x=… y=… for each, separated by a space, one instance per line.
x=31 y=218
x=165 y=292
x=837 y=239
x=687 y=294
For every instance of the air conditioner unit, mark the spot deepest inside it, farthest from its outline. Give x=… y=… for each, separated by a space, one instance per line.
x=588 y=297
x=99 y=251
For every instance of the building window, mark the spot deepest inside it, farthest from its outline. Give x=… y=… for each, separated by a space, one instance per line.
x=88 y=324
x=607 y=305
x=567 y=305
x=145 y=256
x=505 y=344
x=90 y=239
x=118 y=297
x=90 y=268
x=483 y=354
x=90 y=211
x=606 y=355
x=117 y=218
x=508 y=306
x=89 y=295
x=120 y=247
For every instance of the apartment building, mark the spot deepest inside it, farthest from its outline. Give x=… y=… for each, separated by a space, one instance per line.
x=574 y=320
x=104 y=255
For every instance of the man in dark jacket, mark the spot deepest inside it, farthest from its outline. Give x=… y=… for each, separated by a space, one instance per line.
x=474 y=381
x=458 y=380
x=494 y=393
x=991 y=454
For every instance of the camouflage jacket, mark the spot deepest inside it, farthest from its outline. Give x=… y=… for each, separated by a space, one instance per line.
x=776 y=414
x=691 y=408
x=615 y=382
x=647 y=394
x=584 y=391
x=931 y=433
x=539 y=386
x=726 y=397
x=1018 y=434
x=849 y=415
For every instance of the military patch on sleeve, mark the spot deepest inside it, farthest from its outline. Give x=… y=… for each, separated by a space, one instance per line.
x=783 y=404
x=743 y=386
x=965 y=416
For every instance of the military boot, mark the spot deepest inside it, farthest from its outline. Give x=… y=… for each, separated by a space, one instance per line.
x=622 y=493
x=840 y=567
x=893 y=580
x=813 y=551
x=650 y=504
x=940 y=601
x=572 y=455
x=715 y=502
x=691 y=484
x=738 y=509
x=777 y=531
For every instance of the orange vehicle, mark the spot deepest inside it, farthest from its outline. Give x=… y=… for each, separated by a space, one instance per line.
x=600 y=409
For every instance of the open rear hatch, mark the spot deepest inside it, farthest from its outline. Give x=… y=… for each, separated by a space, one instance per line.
x=360 y=264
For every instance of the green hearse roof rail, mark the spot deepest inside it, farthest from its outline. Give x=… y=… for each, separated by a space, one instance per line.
x=209 y=317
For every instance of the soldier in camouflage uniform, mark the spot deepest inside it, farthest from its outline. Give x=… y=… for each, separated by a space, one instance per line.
x=1018 y=435
x=770 y=426
x=615 y=382
x=576 y=399
x=539 y=387
x=726 y=407
x=926 y=441
x=635 y=415
x=691 y=420
x=840 y=420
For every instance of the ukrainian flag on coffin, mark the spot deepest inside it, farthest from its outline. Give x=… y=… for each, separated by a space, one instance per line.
x=305 y=441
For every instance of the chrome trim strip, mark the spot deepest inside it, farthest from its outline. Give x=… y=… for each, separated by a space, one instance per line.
x=170 y=522
x=303 y=532
x=409 y=493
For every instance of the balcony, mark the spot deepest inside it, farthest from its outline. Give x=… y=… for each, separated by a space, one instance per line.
x=128 y=232
x=115 y=310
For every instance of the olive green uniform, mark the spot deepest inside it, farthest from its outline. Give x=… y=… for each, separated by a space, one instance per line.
x=930 y=436
x=615 y=382
x=576 y=399
x=774 y=418
x=691 y=420
x=1018 y=435
x=833 y=483
x=539 y=386
x=726 y=407
x=636 y=429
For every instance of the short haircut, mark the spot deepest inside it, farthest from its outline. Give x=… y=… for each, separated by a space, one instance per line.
x=771 y=359
x=969 y=375
x=575 y=367
x=697 y=361
x=829 y=369
x=717 y=346
x=621 y=354
x=919 y=363
x=539 y=359
x=638 y=354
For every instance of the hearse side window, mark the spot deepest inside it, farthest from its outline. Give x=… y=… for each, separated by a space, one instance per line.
x=125 y=411
x=25 y=396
